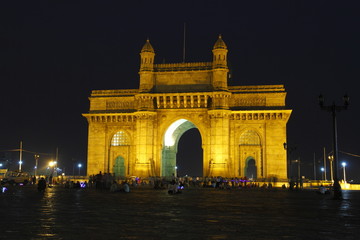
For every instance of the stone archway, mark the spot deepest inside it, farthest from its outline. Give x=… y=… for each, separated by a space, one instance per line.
x=250 y=168
x=170 y=145
x=190 y=154
x=153 y=118
x=119 y=167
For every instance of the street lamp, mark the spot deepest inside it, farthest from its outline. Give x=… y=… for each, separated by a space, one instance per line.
x=331 y=159
x=333 y=109
x=36 y=156
x=288 y=150
x=344 y=165
x=298 y=168
x=52 y=166
x=79 y=166
x=175 y=171
x=323 y=171
x=20 y=164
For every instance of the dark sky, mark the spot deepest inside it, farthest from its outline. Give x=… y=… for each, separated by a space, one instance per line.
x=53 y=53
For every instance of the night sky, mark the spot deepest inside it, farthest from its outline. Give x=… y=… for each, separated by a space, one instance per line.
x=53 y=53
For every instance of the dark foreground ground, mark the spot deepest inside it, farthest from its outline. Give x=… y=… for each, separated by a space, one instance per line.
x=145 y=213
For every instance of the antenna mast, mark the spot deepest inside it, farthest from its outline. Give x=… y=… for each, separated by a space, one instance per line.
x=184 y=42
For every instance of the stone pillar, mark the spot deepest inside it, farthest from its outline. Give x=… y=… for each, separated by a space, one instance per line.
x=219 y=143
x=145 y=123
x=275 y=157
x=97 y=154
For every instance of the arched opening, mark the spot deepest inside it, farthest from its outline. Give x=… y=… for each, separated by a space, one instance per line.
x=189 y=155
x=172 y=136
x=119 y=154
x=119 y=167
x=250 y=168
x=250 y=148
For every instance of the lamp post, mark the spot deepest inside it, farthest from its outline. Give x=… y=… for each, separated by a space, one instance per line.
x=331 y=159
x=20 y=162
x=299 y=174
x=323 y=171
x=288 y=150
x=175 y=171
x=36 y=156
x=79 y=166
x=344 y=165
x=333 y=109
x=52 y=165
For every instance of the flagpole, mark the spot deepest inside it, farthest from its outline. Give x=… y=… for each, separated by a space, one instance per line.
x=184 y=42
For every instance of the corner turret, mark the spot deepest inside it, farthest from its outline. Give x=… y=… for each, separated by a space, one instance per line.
x=220 y=68
x=147 y=56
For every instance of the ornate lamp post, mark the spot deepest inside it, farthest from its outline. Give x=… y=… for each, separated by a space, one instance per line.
x=333 y=109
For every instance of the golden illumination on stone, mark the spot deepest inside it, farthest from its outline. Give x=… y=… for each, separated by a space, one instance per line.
x=135 y=132
x=169 y=139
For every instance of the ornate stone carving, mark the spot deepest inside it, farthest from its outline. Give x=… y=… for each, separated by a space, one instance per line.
x=117 y=105
x=246 y=102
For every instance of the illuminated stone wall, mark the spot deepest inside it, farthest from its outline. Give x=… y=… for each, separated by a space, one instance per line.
x=239 y=125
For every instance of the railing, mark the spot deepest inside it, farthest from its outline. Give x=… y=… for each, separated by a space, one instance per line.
x=182 y=66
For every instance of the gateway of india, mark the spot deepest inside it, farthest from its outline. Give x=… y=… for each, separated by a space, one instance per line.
x=135 y=132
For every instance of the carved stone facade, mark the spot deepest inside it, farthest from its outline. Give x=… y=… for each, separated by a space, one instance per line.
x=135 y=132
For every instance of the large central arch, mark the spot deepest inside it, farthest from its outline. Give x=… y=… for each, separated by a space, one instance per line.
x=170 y=145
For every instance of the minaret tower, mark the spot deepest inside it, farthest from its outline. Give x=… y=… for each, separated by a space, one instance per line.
x=147 y=56
x=220 y=68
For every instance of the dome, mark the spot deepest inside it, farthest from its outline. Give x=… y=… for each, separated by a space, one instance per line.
x=147 y=47
x=220 y=44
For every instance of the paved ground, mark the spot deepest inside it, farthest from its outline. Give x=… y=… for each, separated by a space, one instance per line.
x=61 y=213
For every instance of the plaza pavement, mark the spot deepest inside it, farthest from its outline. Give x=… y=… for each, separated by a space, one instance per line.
x=145 y=213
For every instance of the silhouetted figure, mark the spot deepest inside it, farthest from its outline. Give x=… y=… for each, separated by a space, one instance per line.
x=126 y=187
x=41 y=185
x=114 y=187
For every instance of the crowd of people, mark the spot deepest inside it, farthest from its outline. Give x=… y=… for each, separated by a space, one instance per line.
x=107 y=181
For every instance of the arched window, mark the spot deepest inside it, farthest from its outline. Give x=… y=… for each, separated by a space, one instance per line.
x=249 y=137
x=120 y=139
